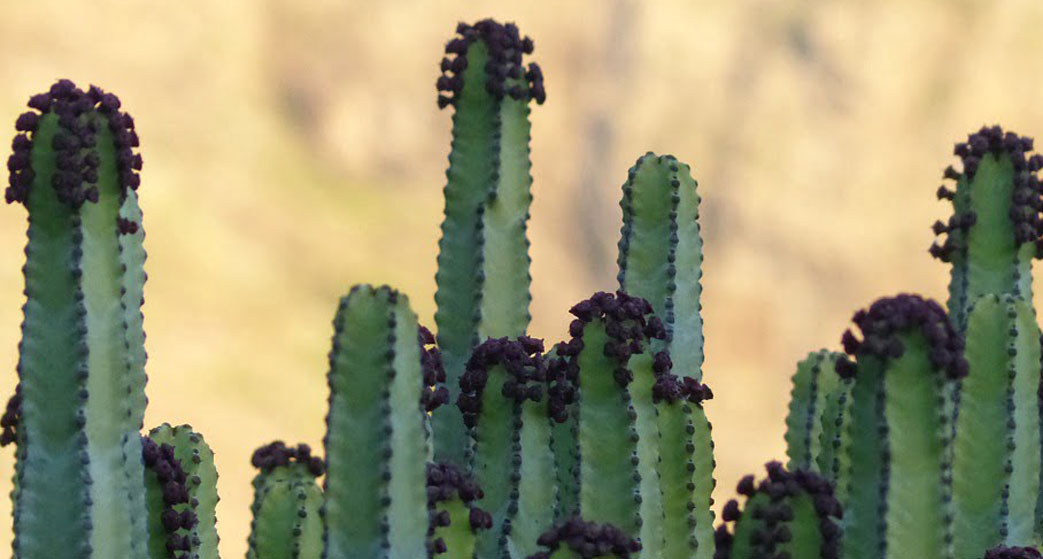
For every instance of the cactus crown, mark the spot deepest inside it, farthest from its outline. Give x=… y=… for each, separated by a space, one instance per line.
x=505 y=71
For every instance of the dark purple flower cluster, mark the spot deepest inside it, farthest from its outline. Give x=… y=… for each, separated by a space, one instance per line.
x=12 y=415
x=446 y=482
x=276 y=454
x=80 y=117
x=780 y=486
x=587 y=539
x=435 y=393
x=521 y=359
x=506 y=47
x=160 y=460
x=884 y=322
x=1027 y=200
x=1004 y=552
x=671 y=387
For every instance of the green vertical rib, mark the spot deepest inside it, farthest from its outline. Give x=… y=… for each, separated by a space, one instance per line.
x=286 y=520
x=132 y=258
x=833 y=461
x=660 y=253
x=376 y=446
x=198 y=462
x=495 y=451
x=686 y=475
x=651 y=488
x=536 y=491
x=867 y=491
x=813 y=383
x=608 y=481
x=996 y=463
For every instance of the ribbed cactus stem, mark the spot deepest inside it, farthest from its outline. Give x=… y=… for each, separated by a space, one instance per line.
x=607 y=331
x=80 y=360
x=197 y=460
x=898 y=502
x=575 y=538
x=789 y=514
x=376 y=440
x=287 y=523
x=171 y=519
x=833 y=460
x=562 y=409
x=455 y=519
x=994 y=232
x=996 y=464
x=483 y=262
x=504 y=405
x=813 y=383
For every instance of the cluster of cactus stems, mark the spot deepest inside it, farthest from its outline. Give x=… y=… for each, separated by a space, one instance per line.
x=922 y=439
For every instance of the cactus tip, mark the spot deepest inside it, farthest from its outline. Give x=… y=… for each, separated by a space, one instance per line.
x=276 y=454
x=506 y=49
x=587 y=539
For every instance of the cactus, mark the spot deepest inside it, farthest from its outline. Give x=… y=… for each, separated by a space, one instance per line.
x=197 y=461
x=483 y=260
x=286 y=521
x=813 y=413
x=577 y=539
x=789 y=514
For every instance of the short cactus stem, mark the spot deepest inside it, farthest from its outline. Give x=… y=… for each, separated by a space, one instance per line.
x=171 y=518
x=197 y=461
x=455 y=519
x=503 y=401
x=80 y=367
x=809 y=414
x=561 y=399
x=833 y=459
x=996 y=464
x=376 y=440
x=899 y=498
x=287 y=523
x=483 y=262
x=995 y=230
x=575 y=538
x=788 y=514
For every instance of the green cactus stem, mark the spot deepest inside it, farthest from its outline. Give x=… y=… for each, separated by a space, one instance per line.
x=789 y=514
x=813 y=383
x=376 y=440
x=561 y=395
x=898 y=503
x=171 y=518
x=1004 y=552
x=833 y=460
x=995 y=229
x=455 y=521
x=287 y=523
x=197 y=460
x=996 y=463
x=483 y=261
x=80 y=364
x=607 y=331
x=576 y=539
x=504 y=406
x=684 y=464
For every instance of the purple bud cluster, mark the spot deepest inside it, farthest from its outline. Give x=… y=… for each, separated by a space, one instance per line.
x=12 y=415
x=671 y=387
x=506 y=48
x=522 y=359
x=884 y=322
x=772 y=518
x=446 y=482
x=160 y=460
x=1027 y=202
x=1004 y=552
x=80 y=115
x=435 y=393
x=587 y=539
x=277 y=454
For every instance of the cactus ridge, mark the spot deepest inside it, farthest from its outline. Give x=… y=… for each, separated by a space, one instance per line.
x=886 y=318
x=786 y=514
x=196 y=460
x=809 y=411
x=287 y=522
x=176 y=516
x=586 y=540
x=506 y=49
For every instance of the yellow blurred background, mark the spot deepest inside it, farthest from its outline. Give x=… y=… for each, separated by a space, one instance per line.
x=293 y=148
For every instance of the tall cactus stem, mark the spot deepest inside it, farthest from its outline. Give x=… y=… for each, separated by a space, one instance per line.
x=483 y=262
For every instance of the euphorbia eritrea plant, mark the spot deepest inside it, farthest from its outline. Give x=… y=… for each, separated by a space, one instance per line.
x=921 y=441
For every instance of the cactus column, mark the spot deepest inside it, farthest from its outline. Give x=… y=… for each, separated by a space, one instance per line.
x=81 y=359
x=483 y=260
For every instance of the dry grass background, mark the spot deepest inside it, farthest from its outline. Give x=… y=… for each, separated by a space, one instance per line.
x=293 y=148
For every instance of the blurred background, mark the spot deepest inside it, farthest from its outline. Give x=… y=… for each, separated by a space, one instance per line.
x=293 y=148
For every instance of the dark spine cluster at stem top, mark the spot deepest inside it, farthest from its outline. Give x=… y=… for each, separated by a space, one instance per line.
x=670 y=387
x=522 y=359
x=885 y=319
x=435 y=393
x=506 y=48
x=12 y=414
x=172 y=479
x=1004 y=552
x=446 y=482
x=587 y=539
x=75 y=179
x=276 y=454
x=1027 y=195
